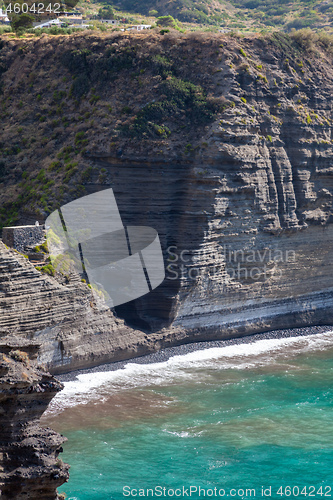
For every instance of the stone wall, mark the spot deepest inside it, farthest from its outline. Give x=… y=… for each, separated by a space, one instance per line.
x=21 y=237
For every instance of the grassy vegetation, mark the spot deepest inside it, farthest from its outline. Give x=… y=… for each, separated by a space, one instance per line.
x=133 y=94
x=190 y=11
x=41 y=248
x=247 y=15
x=47 y=269
x=44 y=155
x=177 y=97
x=244 y=16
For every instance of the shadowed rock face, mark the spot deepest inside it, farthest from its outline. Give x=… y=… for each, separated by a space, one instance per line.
x=246 y=221
x=247 y=249
x=29 y=463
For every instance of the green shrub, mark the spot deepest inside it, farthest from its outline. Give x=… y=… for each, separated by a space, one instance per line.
x=58 y=95
x=86 y=175
x=71 y=165
x=161 y=65
x=189 y=149
x=177 y=96
x=80 y=86
x=55 y=165
x=48 y=269
x=126 y=110
x=76 y=60
x=41 y=175
x=88 y=68
x=94 y=99
x=44 y=247
x=162 y=131
x=166 y=21
x=69 y=175
x=79 y=139
x=304 y=22
x=262 y=77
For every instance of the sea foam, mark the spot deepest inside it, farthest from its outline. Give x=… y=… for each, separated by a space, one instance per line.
x=190 y=367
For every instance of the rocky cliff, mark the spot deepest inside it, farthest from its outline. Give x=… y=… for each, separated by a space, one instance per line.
x=223 y=145
x=62 y=316
x=29 y=463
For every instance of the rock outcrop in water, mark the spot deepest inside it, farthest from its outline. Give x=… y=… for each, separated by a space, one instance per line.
x=29 y=465
x=242 y=201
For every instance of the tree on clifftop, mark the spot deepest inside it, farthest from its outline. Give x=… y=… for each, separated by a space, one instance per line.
x=106 y=13
x=166 y=21
x=21 y=22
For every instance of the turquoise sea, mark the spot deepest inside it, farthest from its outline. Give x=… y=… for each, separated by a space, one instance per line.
x=230 y=419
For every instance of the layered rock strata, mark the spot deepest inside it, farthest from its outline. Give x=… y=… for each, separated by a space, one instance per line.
x=61 y=315
x=243 y=252
x=242 y=204
x=29 y=465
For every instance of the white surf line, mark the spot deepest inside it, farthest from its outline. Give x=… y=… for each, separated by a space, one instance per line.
x=181 y=368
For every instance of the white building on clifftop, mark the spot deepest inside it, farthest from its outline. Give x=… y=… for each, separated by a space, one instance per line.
x=139 y=27
x=3 y=17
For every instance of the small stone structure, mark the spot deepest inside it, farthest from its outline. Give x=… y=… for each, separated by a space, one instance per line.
x=22 y=237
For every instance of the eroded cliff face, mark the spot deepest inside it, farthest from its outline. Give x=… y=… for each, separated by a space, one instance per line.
x=245 y=220
x=243 y=252
x=29 y=463
x=63 y=317
x=242 y=202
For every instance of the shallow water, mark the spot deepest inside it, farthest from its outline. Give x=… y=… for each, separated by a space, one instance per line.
x=238 y=417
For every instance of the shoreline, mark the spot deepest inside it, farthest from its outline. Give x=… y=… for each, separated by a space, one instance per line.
x=169 y=352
